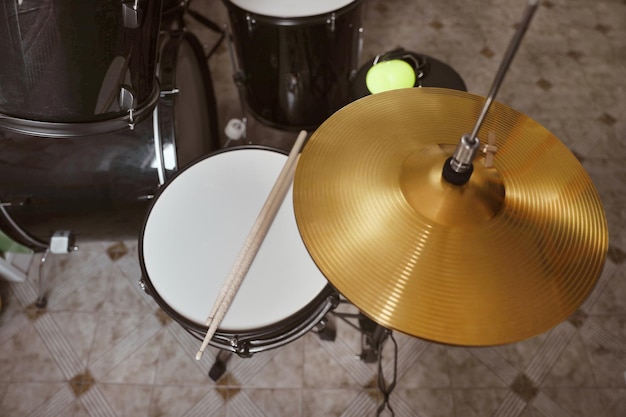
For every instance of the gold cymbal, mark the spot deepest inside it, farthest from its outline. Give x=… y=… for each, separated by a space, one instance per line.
x=500 y=259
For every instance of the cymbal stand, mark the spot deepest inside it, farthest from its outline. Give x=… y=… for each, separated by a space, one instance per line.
x=458 y=168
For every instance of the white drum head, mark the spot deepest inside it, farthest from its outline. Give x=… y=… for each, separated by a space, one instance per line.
x=291 y=8
x=196 y=229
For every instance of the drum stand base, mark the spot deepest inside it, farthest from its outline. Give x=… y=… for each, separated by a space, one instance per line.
x=219 y=366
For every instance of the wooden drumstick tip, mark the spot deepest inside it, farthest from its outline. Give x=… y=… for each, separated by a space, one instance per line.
x=199 y=355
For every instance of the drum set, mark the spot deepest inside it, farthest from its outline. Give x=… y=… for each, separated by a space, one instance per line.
x=108 y=130
x=108 y=123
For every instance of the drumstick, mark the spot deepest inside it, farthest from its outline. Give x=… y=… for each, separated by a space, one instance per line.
x=252 y=243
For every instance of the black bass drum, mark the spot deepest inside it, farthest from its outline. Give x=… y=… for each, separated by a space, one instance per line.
x=296 y=57
x=98 y=187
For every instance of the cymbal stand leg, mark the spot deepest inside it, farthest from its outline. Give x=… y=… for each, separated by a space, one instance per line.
x=219 y=366
x=387 y=389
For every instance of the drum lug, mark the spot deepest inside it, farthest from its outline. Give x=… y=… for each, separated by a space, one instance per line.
x=331 y=22
x=240 y=348
x=127 y=101
x=132 y=14
x=251 y=22
x=143 y=286
x=126 y=98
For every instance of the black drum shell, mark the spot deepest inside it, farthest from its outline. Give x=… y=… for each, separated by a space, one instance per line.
x=295 y=72
x=66 y=60
x=99 y=186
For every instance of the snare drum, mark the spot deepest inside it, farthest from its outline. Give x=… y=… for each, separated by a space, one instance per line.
x=99 y=187
x=88 y=63
x=193 y=234
x=296 y=57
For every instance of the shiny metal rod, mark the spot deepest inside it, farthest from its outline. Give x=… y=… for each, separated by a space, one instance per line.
x=458 y=168
x=506 y=62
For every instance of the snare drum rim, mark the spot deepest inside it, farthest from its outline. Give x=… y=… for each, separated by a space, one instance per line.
x=246 y=338
x=291 y=20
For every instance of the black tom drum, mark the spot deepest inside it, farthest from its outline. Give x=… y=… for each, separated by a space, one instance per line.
x=77 y=67
x=296 y=58
x=99 y=187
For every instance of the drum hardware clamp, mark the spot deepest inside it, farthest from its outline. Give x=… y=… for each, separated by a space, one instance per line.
x=127 y=101
x=132 y=14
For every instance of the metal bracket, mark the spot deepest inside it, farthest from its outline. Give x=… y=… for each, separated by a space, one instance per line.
x=132 y=14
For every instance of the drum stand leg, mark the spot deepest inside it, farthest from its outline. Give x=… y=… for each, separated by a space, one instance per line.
x=326 y=330
x=219 y=366
x=373 y=335
x=42 y=301
x=62 y=241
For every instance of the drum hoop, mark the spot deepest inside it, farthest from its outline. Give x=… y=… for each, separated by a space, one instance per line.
x=258 y=339
x=294 y=21
x=245 y=336
x=68 y=129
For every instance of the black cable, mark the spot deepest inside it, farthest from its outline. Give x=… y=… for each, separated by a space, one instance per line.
x=385 y=389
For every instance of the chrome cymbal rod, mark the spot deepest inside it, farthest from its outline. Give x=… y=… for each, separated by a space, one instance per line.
x=458 y=168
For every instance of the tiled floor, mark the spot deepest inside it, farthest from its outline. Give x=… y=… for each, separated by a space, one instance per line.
x=103 y=348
